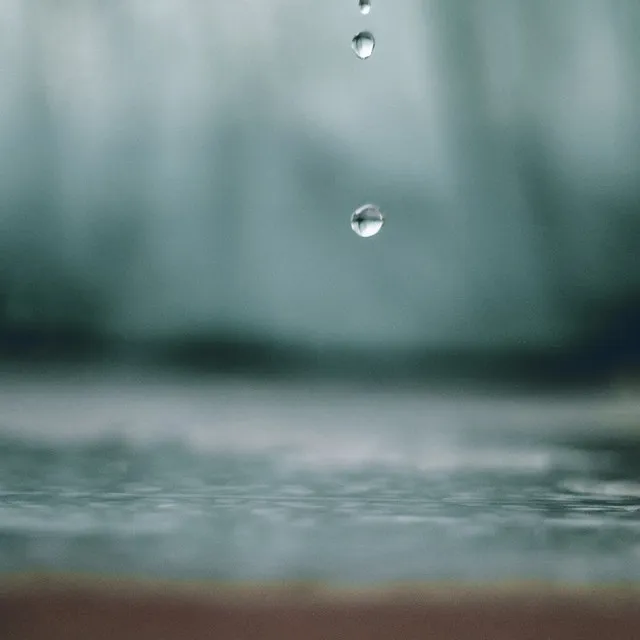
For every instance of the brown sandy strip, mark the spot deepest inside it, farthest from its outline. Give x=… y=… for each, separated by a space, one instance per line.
x=63 y=608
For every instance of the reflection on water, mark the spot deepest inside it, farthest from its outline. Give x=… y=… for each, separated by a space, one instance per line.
x=247 y=481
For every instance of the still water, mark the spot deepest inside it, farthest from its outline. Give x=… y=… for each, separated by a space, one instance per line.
x=253 y=480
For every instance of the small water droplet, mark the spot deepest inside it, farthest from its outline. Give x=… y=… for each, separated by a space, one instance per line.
x=365 y=6
x=367 y=220
x=363 y=44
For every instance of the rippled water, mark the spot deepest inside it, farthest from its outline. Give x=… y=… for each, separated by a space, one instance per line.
x=257 y=481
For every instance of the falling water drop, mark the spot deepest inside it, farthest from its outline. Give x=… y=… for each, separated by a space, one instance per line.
x=367 y=220
x=365 y=6
x=363 y=44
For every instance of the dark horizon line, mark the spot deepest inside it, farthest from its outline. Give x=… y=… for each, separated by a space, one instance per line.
x=590 y=364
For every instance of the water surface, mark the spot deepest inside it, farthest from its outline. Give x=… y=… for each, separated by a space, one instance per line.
x=268 y=481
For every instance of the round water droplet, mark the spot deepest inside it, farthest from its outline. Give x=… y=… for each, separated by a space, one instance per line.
x=365 y=6
x=367 y=220
x=363 y=44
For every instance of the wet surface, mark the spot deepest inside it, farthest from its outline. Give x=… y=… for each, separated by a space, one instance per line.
x=259 y=483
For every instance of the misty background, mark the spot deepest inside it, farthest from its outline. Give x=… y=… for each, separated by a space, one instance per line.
x=176 y=185
x=176 y=181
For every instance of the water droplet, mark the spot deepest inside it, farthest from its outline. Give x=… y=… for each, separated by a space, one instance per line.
x=367 y=220
x=365 y=6
x=363 y=44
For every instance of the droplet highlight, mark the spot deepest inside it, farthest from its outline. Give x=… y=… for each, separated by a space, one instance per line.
x=367 y=220
x=364 y=6
x=363 y=44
